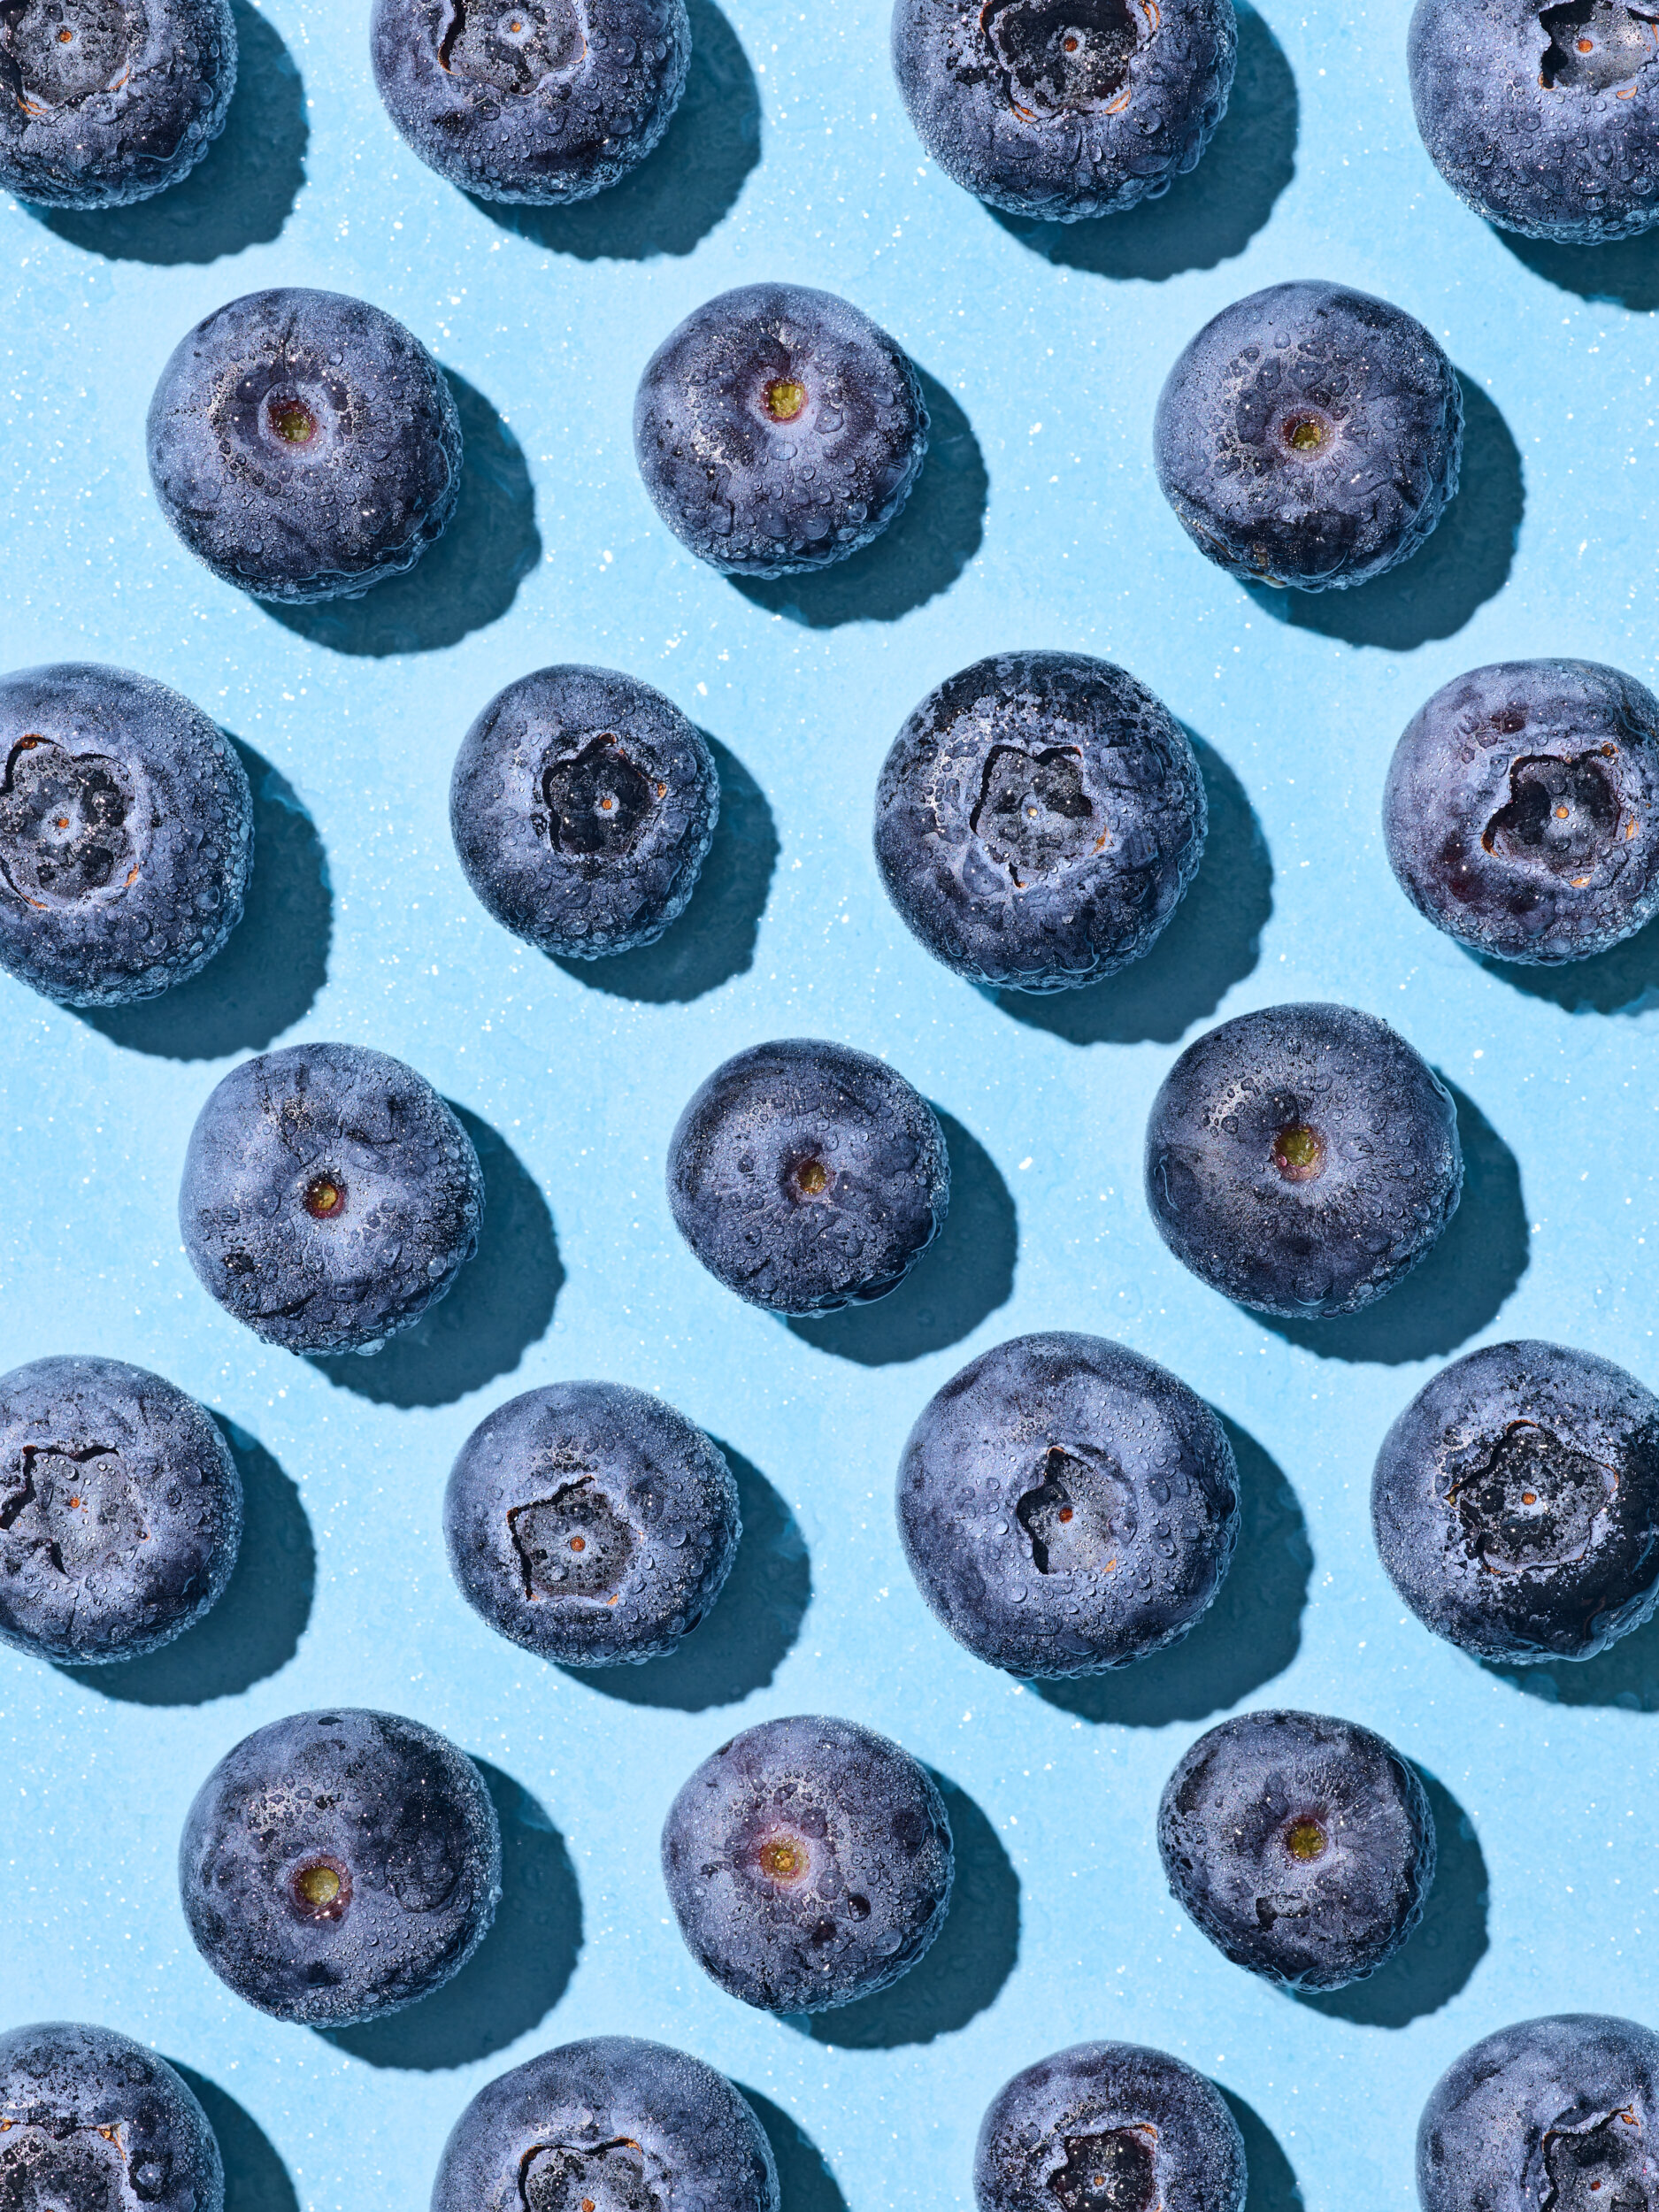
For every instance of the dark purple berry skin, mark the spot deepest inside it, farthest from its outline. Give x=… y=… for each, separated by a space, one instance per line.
x=809 y=1862
x=1522 y=809
x=778 y=430
x=1302 y=1159
x=335 y=1867
x=1061 y=113
x=1108 y=2127
x=1067 y=1506
x=1038 y=819
x=1516 y=1503
x=1303 y=1847
x=1310 y=435
x=92 y=2122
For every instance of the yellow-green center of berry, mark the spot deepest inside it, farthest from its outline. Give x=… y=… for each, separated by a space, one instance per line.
x=1305 y=1840
x=812 y=1178
x=1304 y=434
x=1298 y=1153
x=784 y=398
x=323 y=1198
x=293 y=421
x=783 y=1860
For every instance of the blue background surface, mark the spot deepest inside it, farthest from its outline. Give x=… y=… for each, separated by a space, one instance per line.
x=1037 y=523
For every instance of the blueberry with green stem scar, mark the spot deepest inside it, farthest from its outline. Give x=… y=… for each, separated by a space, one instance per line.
x=92 y=2122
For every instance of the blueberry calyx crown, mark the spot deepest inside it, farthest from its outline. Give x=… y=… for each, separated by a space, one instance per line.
x=573 y=1544
x=1304 y=431
x=325 y=1197
x=597 y=800
x=1298 y=1153
x=513 y=50
x=291 y=419
x=1579 y=2163
x=784 y=398
x=1078 y=1517
x=1305 y=1838
x=581 y=2178
x=48 y=61
x=321 y=1889
x=1034 y=817
x=1068 y=57
x=1595 y=45
x=1532 y=1501
x=1113 y=2171
x=67 y=824
x=1563 y=815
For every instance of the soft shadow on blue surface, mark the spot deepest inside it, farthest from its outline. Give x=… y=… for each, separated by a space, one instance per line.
x=256 y=2179
x=1625 y=275
x=1625 y=1676
x=1624 y=979
x=805 y=2179
x=1273 y=2180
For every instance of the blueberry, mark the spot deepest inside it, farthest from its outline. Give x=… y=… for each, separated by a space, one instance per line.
x=778 y=429
x=543 y=102
x=1060 y=111
x=582 y=807
x=92 y=2122
x=335 y=1867
x=1302 y=1159
x=614 y=2124
x=304 y=445
x=329 y=1197
x=1067 y=1506
x=1561 y=2113
x=808 y=1863
x=106 y=102
x=1303 y=1847
x=1038 y=818
x=1108 y=2127
x=1520 y=809
x=1310 y=435
x=807 y=1176
x=126 y=834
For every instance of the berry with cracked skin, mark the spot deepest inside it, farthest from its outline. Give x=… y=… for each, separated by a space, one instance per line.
x=1516 y=1503
x=1522 y=809
x=337 y=1866
x=1061 y=112
x=1038 y=819
x=614 y=2123
x=778 y=429
x=582 y=806
x=591 y=1523
x=807 y=1176
x=542 y=102
x=126 y=834
x=120 y=1510
x=1067 y=1506
x=329 y=1197
x=1310 y=435
x=809 y=1862
x=92 y=2122
x=1302 y=1159
x=1303 y=1847
x=304 y=445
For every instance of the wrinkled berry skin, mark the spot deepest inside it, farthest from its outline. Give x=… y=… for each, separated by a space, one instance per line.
x=806 y=1175
x=92 y=2122
x=124 y=106
x=126 y=834
x=1303 y=1847
x=1105 y=1506
x=1150 y=2130
x=335 y=1867
x=582 y=806
x=1562 y=2112
x=778 y=430
x=591 y=1524
x=1522 y=809
x=304 y=445
x=1038 y=818
x=120 y=1510
x=1516 y=1503
x=329 y=1197
x=554 y=112
x=1302 y=1159
x=809 y=1862
x=611 y=2122
x=1310 y=435
x=1061 y=113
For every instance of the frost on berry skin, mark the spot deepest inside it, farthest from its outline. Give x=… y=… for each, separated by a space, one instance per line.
x=336 y=1866
x=1303 y=1847
x=329 y=1197
x=1108 y=2127
x=541 y=103
x=1067 y=1506
x=1302 y=1159
x=1310 y=435
x=1522 y=809
x=304 y=445
x=809 y=1862
x=92 y=2122
x=1062 y=112
x=126 y=834
x=778 y=429
x=806 y=1175
x=1038 y=819
x=582 y=806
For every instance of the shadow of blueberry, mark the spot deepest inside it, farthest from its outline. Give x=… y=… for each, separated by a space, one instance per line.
x=1625 y=1676
x=256 y=2179
x=1212 y=941
x=1273 y=2182
x=805 y=2182
x=276 y=961
x=1624 y=979
x=1625 y=274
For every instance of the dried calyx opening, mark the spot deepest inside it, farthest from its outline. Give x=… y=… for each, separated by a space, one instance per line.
x=1113 y=2171
x=67 y=824
x=784 y=398
x=1068 y=57
x=292 y=423
x=1079 y=1517
x=321 y=1889
x=784 y=1858
x=1564 y=816
x=75 y=1505
x=51 y=57
x=1595 y=45
x=1305 y=1838
x=1298 y=1153
x=325 y=1197
x=1533 y=1500
x=513 y=49
x=573 y=1544
x=1304 y=431
x=586 y=2177
x=1033 y=815
x=598 y=801
x=1603 y=2167
x=811 y=1178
